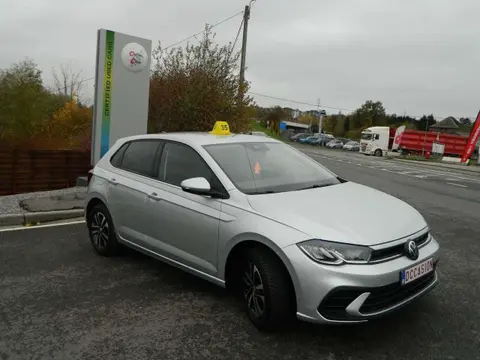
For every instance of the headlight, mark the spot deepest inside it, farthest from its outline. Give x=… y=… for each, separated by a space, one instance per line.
x=331 y=253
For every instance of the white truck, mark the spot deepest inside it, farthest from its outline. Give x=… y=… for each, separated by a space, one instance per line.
x=376 y=140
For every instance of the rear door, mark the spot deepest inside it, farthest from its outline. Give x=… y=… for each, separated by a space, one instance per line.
x=127 y=194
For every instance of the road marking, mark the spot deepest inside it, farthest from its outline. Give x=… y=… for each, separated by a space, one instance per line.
x=454 y=184
x=42 y=226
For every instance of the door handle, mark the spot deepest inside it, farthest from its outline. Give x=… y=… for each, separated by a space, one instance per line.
x=113 y=181
x=154 y=196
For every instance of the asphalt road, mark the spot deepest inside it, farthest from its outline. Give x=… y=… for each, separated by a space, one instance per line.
x=59 y=300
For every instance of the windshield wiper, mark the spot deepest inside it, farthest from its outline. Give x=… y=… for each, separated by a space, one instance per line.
x=264 y=192
x=315 y=186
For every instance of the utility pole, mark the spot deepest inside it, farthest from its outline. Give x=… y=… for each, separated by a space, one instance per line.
x=246 y=17
x=319 y=117
x=425 y=136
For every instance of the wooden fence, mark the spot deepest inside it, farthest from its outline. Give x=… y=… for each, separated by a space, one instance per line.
x=24 y=171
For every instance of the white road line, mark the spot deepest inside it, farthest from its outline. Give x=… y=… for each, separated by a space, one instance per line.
x=459 y=185
x=42 y=226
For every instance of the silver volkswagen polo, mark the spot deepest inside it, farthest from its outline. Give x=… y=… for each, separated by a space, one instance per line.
x=245 y=212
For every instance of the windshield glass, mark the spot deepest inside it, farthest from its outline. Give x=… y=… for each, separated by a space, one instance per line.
x=269 y=167
x=366 y=136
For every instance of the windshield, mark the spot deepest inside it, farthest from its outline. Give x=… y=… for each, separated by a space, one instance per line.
x=256 y=168
x=366 y=136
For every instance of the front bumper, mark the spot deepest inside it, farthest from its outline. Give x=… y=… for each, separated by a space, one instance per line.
x=356 y=293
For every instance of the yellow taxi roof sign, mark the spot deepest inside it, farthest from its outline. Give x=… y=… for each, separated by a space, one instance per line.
x=220 y=128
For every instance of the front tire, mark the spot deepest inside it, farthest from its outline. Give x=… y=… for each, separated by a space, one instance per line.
x=267 y=290
x=378 y=153
x=101 y=231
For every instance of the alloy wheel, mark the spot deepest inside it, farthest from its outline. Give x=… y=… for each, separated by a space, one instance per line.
x=99 y=230
x=254 y=291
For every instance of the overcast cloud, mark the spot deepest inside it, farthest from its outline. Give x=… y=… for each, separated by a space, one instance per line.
x=416 y=56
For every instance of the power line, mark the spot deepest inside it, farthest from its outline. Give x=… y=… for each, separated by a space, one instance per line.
x=200 y=32
x=236 y=38
x=176 y=43
x=297 y=102
x=337 y=108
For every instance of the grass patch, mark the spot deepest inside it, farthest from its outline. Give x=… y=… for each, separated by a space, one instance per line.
x=254 y=126
x=472 y=162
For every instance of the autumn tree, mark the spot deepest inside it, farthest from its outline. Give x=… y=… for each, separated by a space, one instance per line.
x=195 y=86
x=307 y=119
x=70 y=127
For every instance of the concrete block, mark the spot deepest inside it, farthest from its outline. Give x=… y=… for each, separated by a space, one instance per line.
x=82 y=181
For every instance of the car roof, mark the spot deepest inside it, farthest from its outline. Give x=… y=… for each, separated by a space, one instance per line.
x=202 y=138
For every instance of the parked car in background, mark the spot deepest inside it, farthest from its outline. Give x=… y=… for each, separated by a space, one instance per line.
x=335 y=144
x=258 y=133
x=311 y=140
x=297 y=137
x=352 y=146
x=344 y=140
x=322 y=139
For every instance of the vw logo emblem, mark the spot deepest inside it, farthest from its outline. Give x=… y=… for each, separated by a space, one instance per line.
x=411 y=250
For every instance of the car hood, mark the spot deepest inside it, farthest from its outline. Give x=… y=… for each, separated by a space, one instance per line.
x=348 y=213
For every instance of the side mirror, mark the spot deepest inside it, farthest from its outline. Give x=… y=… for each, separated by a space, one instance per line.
x=198 y=186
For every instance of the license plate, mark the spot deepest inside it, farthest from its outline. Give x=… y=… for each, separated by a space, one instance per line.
x=417 y=271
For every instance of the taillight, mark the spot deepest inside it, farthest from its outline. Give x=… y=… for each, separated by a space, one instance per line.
x=89 y=176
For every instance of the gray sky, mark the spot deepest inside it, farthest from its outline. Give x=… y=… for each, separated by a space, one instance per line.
x=416 y=56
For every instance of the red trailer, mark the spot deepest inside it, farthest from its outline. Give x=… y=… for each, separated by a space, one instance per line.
x=416 y=141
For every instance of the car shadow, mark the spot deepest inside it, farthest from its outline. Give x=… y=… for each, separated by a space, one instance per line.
x=389 y=328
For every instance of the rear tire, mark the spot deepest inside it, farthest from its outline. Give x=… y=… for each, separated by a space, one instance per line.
x=101 y=231
x=378 y=152
x=267 y=290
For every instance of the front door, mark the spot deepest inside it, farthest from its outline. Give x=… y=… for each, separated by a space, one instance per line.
x=184 y=226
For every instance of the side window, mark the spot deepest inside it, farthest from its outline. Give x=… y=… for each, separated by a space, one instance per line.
x=117 y=157
x=139 y=157
x=180 y=162
x=377 y=136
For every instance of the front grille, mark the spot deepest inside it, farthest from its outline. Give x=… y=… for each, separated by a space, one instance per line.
x=397 y=250
x=380 y=298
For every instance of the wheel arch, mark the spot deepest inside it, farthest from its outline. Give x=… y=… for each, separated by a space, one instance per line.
x=237 y=251
x=93 y=200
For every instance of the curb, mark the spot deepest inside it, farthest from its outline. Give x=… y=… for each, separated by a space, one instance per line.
x=12 y=219
x=464 y=168
x=36 y=217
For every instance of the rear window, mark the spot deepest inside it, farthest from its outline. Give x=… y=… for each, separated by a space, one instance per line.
x=256 y=168
x=139 y=157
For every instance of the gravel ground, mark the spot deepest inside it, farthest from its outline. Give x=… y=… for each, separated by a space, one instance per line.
x=9 y=204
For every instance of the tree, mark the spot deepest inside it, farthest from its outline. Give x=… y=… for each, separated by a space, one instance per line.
x=425 y=122
x=24 y=102
x=372 y=113
x=465 y=121
x=274 y=117
x=308 y=119
x=70 y=127
x=192 y=87
x=67 y=83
